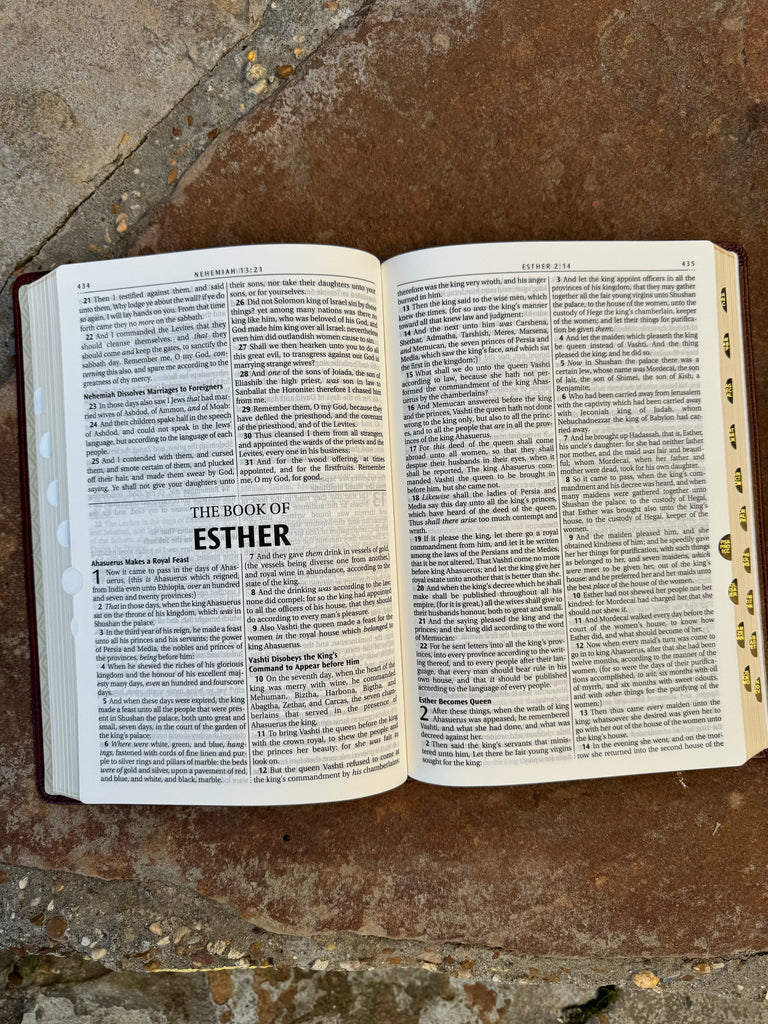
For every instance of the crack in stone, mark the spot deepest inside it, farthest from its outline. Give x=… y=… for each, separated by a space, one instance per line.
x=582 y=1013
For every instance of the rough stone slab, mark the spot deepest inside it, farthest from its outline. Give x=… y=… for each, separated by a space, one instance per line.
x=82 y=85
x=453 y=123
x=50 y=990
x=70 y=193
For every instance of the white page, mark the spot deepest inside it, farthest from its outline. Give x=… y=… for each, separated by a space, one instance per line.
x=236 y=641
x=565 y=613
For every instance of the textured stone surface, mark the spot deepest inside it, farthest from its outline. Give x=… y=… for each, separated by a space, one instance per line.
x=422 y=125
x=51 y=990
x=54 y=163
x=82 y=85
x=467 y=122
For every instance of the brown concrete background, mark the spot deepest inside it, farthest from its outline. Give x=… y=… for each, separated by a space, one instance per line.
x=427 y=124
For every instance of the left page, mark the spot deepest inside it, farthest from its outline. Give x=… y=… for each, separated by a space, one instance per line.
x=232 y=584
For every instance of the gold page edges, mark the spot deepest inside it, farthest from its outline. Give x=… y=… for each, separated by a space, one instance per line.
x=740 y=545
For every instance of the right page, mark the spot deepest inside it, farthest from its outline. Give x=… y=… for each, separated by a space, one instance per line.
x=562 y=492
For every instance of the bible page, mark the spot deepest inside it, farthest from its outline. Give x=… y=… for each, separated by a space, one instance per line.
x=232 y=582
x=561 y=491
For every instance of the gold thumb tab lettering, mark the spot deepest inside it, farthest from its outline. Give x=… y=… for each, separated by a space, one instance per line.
x=747 y=679
x=724 y=547
x=753 y=645
x=740 y=634
x=746 y=560
x=729 y=390
x=724 y=300
x=743 y=517
x=732 y=435
x=727 y=344
x=733 y=591
x=738 y=481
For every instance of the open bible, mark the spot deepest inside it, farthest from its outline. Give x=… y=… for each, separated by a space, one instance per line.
x=302 y=524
